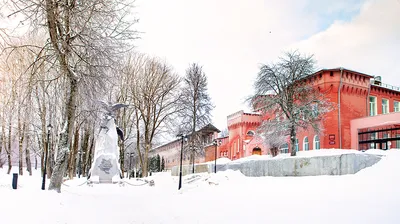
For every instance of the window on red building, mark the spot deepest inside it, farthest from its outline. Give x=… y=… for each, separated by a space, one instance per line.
x=285 y=148
x=372 y=106
x=316 y=142
x=305 y=144
x=385 y=106
x=396 y=106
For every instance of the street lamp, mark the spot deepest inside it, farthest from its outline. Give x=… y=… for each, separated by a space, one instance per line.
x=130 y=155
x=216 y=143
x=183 y=137
x=49 y=127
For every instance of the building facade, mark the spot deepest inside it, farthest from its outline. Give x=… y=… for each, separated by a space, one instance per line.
x=171 y=150
x=366 y=115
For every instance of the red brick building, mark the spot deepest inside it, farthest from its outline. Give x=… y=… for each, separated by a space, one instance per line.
x=355 y=95
x=366 y=115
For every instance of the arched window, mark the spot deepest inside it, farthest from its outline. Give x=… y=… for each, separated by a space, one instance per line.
x=305 y=144
x=296 y=146
x=285 y=148
x=316 y=142
x=250 y=133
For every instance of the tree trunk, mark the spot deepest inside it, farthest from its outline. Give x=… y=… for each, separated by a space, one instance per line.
x=43 y=141
x=65 y=140
x=8 y=150
x=3 y=140
x=88 y=155
x=21 y=133
x=61 y=164
x=42 y=162
x=145 y=160
x=28 y=157
x=84 y=150
x=36 y=162
x=193 y=159
x=41 y=146
x=50 y=158
x=72 y=157
x=138 y=142
x=21 y=156
x=292 y=140
x=122 y=156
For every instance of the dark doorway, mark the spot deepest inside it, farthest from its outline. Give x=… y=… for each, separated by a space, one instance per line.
x=256 y=151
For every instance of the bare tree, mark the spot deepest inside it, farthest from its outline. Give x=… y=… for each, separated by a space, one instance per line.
x=197 y=107
x=86 y=39
x=128 y=118
x=155 y=97
x=224 y=133
x=283 y=94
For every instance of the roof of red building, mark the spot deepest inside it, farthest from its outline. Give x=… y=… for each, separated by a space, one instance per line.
x=344 y=69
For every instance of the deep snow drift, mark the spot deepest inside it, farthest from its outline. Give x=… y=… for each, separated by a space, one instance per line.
x=370 y=196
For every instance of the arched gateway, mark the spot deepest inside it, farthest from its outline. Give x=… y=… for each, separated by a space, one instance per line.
x=256 y=151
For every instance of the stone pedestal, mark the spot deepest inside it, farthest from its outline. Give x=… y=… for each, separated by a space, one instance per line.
x=105 y=167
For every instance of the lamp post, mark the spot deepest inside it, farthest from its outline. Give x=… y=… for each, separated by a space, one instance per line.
x=180 y=165
x=216 y=143
x=45 y=157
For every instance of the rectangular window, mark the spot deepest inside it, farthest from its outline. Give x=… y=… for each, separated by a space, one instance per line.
x=314 y=110
x=396 y=106
x=385 y=145
x=373 y=137
x=372 y=106
x=385 y=106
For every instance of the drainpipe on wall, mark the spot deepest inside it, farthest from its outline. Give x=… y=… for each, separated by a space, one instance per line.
x=339 y=121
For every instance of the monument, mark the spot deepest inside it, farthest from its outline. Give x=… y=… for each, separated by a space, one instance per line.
x=105 y=167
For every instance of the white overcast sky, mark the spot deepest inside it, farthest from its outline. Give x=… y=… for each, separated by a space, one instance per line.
x=231 y=38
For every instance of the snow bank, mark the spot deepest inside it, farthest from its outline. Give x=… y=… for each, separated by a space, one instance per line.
x=370 y=196
x=253 y=157
x=306 y=163
x=320 y=152
x=219 y=161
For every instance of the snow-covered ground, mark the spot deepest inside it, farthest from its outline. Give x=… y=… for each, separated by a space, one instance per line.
x=370 y=196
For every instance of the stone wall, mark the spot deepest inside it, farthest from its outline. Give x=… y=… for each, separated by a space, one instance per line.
x=292 y=166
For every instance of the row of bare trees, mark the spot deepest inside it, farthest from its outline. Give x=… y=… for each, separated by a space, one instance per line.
x=32 y=99
x=76 y=53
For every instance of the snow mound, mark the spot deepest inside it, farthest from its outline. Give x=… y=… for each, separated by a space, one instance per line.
x=219 y=161
x=320 y=152
x=254 y=157
x=381 y=152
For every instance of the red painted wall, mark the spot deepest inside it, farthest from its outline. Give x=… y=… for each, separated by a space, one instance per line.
x=347 y=90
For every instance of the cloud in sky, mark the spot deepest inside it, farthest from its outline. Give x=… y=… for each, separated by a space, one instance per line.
x=369 y=43
x=231 y=38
